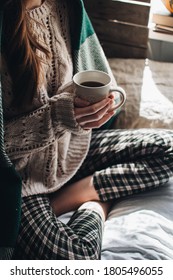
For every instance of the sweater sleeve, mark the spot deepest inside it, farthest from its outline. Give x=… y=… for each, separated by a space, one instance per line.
x=36 y=130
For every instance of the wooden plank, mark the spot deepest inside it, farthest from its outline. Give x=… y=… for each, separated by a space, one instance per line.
x=121 y=26
x=123 y=51
x=117 y=32
x=130 y=11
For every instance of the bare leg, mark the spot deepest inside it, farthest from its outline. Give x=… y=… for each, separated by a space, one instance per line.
x=72 y=196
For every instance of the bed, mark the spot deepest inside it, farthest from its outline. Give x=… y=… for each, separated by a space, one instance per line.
x=141 y=227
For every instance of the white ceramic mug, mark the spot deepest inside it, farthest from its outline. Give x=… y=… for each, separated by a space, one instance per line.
x=94 y=85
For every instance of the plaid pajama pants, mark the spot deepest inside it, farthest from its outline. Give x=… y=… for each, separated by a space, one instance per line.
x=122 y=162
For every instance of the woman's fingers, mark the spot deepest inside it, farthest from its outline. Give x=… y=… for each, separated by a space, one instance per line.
x=78 y=102
x=96 y=116
x=112 y=95
x=91 y=109
x=98 y=123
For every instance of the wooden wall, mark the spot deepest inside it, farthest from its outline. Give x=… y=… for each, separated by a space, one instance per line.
x=121 y=26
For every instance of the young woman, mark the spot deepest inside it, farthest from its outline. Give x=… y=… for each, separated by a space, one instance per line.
x=65 y=164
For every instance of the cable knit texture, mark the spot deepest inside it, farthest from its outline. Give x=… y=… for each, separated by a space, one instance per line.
x=45 y=143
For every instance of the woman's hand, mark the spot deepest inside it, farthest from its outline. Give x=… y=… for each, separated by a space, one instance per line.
x=95 y=115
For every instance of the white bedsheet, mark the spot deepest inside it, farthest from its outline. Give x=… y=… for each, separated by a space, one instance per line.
x=141 y=227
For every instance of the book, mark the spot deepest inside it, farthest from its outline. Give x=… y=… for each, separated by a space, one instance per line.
x=166 y=20
x=163 y=29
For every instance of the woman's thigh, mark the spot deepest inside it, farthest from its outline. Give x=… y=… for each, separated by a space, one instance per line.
x=112 y=147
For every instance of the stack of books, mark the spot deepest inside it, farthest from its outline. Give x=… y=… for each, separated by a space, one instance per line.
x=162 y=20
x=163 y=23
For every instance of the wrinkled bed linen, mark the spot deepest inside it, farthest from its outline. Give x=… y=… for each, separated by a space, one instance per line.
x=141 y=227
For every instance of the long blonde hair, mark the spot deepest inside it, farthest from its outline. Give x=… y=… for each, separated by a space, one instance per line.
x=19 y=48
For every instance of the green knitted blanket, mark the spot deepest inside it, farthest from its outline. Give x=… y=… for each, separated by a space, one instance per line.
x=87 y=54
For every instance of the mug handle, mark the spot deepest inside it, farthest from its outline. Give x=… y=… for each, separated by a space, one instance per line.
x=123 y=97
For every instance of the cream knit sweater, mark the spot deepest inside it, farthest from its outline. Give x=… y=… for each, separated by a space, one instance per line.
x=45 y=143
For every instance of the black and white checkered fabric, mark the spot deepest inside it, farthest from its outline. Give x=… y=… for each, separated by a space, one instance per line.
x=123 y=162
x=44 y=237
